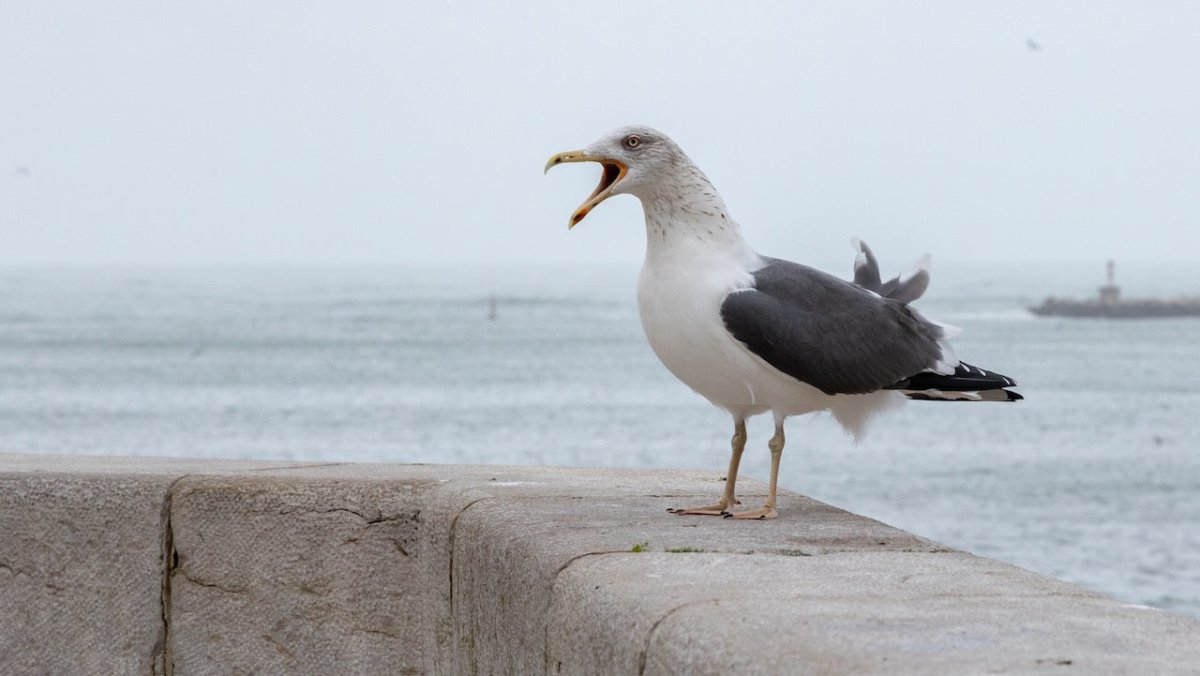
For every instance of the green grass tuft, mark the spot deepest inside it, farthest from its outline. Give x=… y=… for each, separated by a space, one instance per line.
x=640 y=547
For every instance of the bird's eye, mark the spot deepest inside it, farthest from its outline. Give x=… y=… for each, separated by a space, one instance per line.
x=632 y=141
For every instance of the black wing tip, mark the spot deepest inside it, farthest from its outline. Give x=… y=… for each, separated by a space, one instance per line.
x=966 y=378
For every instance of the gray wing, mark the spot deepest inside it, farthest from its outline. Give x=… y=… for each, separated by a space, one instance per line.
x=829 y=333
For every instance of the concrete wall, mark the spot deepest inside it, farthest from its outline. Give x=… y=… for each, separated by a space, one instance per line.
x=161 y=566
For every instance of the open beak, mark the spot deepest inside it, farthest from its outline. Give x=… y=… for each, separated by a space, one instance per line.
x=614 y=171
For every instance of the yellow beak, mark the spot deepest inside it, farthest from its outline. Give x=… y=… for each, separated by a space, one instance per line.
x=614 y=171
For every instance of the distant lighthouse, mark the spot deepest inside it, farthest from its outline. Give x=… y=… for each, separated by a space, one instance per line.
x=1110 y=293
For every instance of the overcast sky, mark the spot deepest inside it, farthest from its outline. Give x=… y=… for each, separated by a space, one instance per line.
x=386 y=132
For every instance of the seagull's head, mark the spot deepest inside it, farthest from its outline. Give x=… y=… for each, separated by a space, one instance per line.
x=633 y=158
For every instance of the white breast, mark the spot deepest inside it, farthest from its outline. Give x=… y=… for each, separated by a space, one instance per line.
x=679 y=298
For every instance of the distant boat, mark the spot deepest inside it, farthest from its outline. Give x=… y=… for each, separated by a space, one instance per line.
x=1108 y=303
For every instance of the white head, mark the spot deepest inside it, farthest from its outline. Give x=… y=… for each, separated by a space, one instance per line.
x=635 y=159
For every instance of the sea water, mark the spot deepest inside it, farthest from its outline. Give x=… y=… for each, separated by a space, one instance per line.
x=1094 y=478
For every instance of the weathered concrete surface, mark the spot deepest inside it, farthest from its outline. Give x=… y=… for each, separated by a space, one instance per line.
x=275 y=575
x=118 y=565
x=80 y=574
x=459 y=489
x=854 y=612
x=509 y=552
x=82 y=561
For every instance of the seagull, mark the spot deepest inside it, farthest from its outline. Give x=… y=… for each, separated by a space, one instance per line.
x=754 y=334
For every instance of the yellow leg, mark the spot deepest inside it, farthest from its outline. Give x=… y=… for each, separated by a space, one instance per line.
x=727 y=498
x=768 y=509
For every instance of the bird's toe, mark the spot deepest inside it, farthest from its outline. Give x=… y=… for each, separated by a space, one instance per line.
x=707 y=510
x=760 y=514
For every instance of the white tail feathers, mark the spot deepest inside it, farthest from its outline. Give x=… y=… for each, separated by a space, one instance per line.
x=855 y=412
x=944 y=396
x=948 y=330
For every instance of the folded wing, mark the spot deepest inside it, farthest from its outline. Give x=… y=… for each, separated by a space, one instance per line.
x=834 y=335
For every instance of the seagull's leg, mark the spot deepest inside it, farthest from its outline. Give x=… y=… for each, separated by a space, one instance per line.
x=767 y=511
x=727 y=499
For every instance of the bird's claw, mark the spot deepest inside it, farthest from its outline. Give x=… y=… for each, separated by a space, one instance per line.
x=708 y=510
x=761 y=514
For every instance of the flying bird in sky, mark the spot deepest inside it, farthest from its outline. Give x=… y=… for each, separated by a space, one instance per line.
x=754 y=334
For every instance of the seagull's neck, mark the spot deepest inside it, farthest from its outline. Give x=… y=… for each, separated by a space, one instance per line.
x=685 y=212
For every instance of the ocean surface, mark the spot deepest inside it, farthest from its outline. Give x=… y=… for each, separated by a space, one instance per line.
x=1095 y=478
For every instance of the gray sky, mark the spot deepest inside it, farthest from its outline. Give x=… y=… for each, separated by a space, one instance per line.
x=384 y=132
